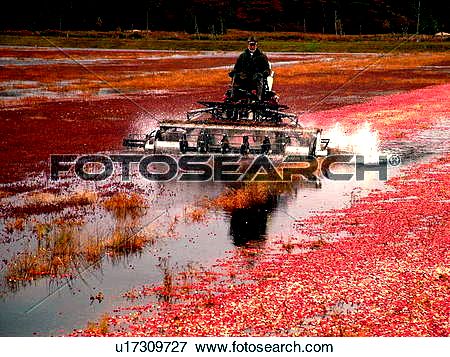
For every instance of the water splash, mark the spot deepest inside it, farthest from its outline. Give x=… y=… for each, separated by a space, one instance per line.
x=362 y=141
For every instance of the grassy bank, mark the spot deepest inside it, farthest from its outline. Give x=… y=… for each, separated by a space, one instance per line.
x=233 y=40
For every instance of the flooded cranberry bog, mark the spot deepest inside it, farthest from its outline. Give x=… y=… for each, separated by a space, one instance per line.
x=324 y=258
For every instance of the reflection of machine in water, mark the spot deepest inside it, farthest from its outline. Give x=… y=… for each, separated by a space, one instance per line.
x=250 y=224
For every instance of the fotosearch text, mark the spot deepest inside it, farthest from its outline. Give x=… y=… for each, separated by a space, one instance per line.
x=220 y=168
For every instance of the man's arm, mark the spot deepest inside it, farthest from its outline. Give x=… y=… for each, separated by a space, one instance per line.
x=266 y=66
x=238 y=67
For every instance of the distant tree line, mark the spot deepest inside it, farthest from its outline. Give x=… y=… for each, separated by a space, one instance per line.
x=216 y=16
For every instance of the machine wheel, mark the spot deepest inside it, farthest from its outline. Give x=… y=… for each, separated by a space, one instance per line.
x=203 y=148
x=265 y=146
x=183 y=146
x=313 y=146
x=203 y=142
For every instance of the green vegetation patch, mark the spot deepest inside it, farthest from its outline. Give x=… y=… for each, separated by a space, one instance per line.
x=233 y=41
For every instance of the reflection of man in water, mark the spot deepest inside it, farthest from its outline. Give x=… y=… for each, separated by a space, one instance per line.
x=251 y=69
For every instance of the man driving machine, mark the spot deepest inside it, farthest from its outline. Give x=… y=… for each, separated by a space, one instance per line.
x=251 y=69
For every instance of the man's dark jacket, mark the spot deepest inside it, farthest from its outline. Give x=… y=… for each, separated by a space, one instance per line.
x=252 y=64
